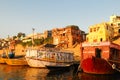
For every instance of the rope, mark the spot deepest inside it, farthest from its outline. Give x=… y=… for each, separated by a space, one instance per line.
x=113 y=66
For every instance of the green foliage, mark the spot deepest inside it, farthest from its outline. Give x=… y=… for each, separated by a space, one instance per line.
x=20 y=34
x=73 y=26
x=48 y=40
x=29 y=43
x=14 y=37
x=23 y=44
x=38 y=42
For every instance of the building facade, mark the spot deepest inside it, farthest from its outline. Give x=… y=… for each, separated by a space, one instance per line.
x=100 y=32
x=115 y=22
x=104 y=31
x=68 y=36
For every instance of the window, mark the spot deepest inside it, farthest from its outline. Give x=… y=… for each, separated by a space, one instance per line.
x=101 y=39
x=119 y=31
x=107 y=27
x=98 y=28
x=63 y=34
x=94 y=29
x=90 y=29
x=118 y=24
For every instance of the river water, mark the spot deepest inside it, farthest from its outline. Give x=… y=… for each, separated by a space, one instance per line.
x=26 y=73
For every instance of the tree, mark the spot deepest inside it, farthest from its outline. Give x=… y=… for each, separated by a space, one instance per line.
x=14 y=37
x=48 y=40
x=20 y=34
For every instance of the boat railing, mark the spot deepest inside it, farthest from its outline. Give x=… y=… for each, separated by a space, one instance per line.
x=115 y=61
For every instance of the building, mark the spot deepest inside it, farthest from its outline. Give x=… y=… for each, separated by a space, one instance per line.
x=44 y=35
x=104 y=31
x=68 y=36
x=47 y=33
x=115 y=22
x=100 y=32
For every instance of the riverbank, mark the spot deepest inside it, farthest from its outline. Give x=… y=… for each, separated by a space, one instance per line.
x=20 y=50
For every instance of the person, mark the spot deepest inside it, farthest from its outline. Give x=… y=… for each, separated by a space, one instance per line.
x=11 y=54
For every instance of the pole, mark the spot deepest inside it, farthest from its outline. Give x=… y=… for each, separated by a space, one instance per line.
x=33 y=29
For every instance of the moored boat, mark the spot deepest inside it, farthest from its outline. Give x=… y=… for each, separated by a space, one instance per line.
x=2 y=60
x=49 y=58
x=95 y=65
x=17 y=60
x=5 y=55
x=100 y=57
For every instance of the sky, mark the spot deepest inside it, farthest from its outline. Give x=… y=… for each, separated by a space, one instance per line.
x=23 y=15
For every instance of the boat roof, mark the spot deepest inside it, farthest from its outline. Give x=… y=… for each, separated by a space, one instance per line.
x=108 y=44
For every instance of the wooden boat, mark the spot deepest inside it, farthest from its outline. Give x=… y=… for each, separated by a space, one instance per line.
x=18 y=60
x=49 y=58
x=2 y=60
x=95 y=65
x=100 y=57
x=6 y=54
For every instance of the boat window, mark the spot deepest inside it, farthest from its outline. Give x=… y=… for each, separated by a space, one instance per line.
x=90 y=29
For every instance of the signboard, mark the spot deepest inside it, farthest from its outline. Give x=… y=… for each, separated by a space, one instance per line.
x=96 y=44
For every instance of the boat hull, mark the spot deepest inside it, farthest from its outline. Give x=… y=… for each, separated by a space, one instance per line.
x=2 y=60
x=36 y=63
x=96 y=66
x=16 y=61
x=32 y=62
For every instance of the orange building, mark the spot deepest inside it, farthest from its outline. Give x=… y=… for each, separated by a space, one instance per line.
x=68 y=36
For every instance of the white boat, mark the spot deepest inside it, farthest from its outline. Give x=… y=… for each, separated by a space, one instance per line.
x=49 y=58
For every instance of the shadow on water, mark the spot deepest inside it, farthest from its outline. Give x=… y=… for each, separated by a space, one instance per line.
x=85 y=76
x=60 y=74
x=54 y=74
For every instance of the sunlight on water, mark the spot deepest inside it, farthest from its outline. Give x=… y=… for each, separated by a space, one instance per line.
x=26 y=73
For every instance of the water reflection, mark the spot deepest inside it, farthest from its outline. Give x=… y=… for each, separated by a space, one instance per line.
x=35 y=74
x=11 y=72
x=85 y=76
x=26 y=73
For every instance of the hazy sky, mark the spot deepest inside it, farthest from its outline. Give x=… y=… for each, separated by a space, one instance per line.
x=23 y=15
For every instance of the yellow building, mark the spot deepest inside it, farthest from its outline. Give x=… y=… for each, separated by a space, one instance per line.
x=104 y=31
x=115 y=22
x=100 y=32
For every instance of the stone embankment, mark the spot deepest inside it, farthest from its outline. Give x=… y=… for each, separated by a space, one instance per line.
x=76 y=51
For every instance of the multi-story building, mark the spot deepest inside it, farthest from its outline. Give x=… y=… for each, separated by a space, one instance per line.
x=115 y=22
x=68 y=36
x=47 y=33
x=104 y=31
x=100 y=32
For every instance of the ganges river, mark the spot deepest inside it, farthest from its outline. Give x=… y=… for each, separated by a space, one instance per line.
x=8 y=72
